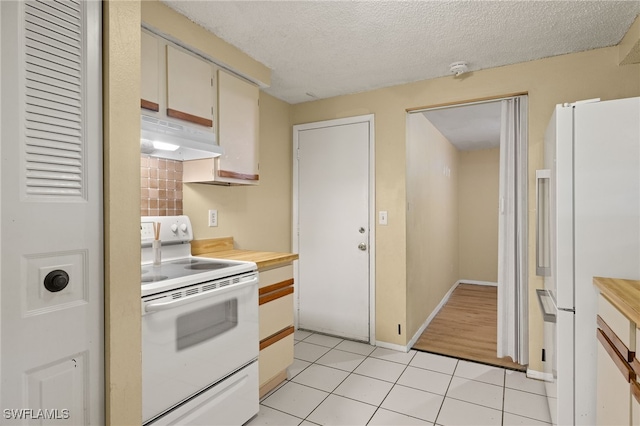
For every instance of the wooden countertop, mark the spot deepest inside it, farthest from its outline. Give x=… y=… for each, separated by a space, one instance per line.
x=623 y=294
x=222 y=248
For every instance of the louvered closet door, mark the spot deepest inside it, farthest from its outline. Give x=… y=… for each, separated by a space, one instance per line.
x=51 y=297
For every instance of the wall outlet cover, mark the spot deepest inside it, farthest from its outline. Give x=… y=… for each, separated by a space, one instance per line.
x=213 y=217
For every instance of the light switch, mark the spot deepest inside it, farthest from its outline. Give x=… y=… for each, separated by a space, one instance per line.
x=213 y=217
x=382 y=217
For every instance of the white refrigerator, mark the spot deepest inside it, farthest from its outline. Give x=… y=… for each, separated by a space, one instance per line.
x=588 y=224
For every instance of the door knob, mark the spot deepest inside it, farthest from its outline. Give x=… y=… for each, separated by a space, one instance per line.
x=56 y=280
x=362 y=246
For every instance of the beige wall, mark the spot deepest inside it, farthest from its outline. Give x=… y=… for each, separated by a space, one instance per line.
x=478 y=214
x=629 y=47
x=547 y=81
x=432 y=219
x=121 y=67
x=257 y=217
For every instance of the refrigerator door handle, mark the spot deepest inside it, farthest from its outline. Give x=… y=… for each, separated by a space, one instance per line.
x=543 y=232
x=546 y=305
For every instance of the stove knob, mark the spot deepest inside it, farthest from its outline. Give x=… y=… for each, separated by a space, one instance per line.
x=183 y=228
x=174 y=228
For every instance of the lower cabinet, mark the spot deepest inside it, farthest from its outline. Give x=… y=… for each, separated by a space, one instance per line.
x=617 y=389
x=635 y=404
x=276 y=326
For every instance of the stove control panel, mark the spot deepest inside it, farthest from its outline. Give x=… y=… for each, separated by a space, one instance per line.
x=168 y=229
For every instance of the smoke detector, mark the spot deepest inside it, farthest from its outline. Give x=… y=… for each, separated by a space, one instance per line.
x=458 y=68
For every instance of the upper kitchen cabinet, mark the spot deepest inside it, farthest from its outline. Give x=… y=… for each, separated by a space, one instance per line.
x=176 y=83
x=238 y=129
x=150 y=67
x=238 y=120
x=190 y=92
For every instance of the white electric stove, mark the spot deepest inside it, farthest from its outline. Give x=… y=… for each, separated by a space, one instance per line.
x=199 y=331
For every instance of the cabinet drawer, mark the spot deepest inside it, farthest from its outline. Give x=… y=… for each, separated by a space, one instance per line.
x=624 y=328
x=276 y=315
x=275 y=358
x=275 y=275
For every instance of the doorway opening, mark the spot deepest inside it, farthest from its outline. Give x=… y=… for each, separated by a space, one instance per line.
x=466 y=217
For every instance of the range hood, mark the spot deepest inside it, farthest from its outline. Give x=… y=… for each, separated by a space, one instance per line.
x=160 y=137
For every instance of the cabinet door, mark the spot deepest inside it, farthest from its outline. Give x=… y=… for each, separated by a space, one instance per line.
x=149 y=72
x=238 y=117
x=613 y=392
x=189 y=88
x=635 y=404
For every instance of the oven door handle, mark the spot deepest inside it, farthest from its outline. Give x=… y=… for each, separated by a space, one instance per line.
x=157 y=307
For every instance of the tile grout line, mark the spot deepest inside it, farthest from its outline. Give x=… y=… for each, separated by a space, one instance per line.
x=394 y=383
x=446 y=391
x=392 y=387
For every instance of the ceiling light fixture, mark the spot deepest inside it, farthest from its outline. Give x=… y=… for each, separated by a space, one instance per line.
x=458 y=68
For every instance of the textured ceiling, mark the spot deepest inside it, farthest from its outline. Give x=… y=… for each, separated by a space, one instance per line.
x=469 y=127
x=319 y=49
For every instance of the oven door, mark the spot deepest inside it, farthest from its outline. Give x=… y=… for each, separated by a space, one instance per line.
x=191 y=339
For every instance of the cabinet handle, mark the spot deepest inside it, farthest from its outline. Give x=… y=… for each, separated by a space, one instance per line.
x=276 y=337
x=625 y=369
x=236 y=175
x=635 y=391
x=275 y=295
x=151 y=106
x=617 y=343
x=189 y=117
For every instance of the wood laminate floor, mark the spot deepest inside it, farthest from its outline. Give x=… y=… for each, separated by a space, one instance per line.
x=466 y=327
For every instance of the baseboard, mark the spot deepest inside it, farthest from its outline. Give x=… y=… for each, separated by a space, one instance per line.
x=539 y=375
x=430 y=318
x=393 y=346
x=489 y=283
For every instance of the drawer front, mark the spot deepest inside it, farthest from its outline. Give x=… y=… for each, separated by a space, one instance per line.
x=275 y=275
x=275 y=358
x=619 y=324
x=276 y=315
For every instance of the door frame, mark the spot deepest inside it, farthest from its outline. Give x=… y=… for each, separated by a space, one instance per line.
x=369 y=119
x=523 y=317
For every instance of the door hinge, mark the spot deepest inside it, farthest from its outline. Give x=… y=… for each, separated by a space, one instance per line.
x=399 y=329
x=544 y=355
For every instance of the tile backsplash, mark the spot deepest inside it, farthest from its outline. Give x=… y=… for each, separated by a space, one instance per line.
x=160 y=187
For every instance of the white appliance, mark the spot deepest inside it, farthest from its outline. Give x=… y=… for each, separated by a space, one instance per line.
x=176 y=140
x=200 y=337
x=588 y=206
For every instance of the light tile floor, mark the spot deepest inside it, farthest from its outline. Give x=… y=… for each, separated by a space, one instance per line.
x=339 y=382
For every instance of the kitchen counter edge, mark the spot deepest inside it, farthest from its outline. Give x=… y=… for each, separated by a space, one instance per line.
x=222 y=248
x=623 y=294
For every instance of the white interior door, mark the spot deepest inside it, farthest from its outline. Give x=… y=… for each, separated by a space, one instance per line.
x=512 y=330
x=332 y=203
x=51 y=311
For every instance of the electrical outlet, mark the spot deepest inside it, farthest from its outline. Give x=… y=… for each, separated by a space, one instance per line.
x=213 y=217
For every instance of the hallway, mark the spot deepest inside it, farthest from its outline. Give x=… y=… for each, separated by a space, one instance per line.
x=466 y=327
